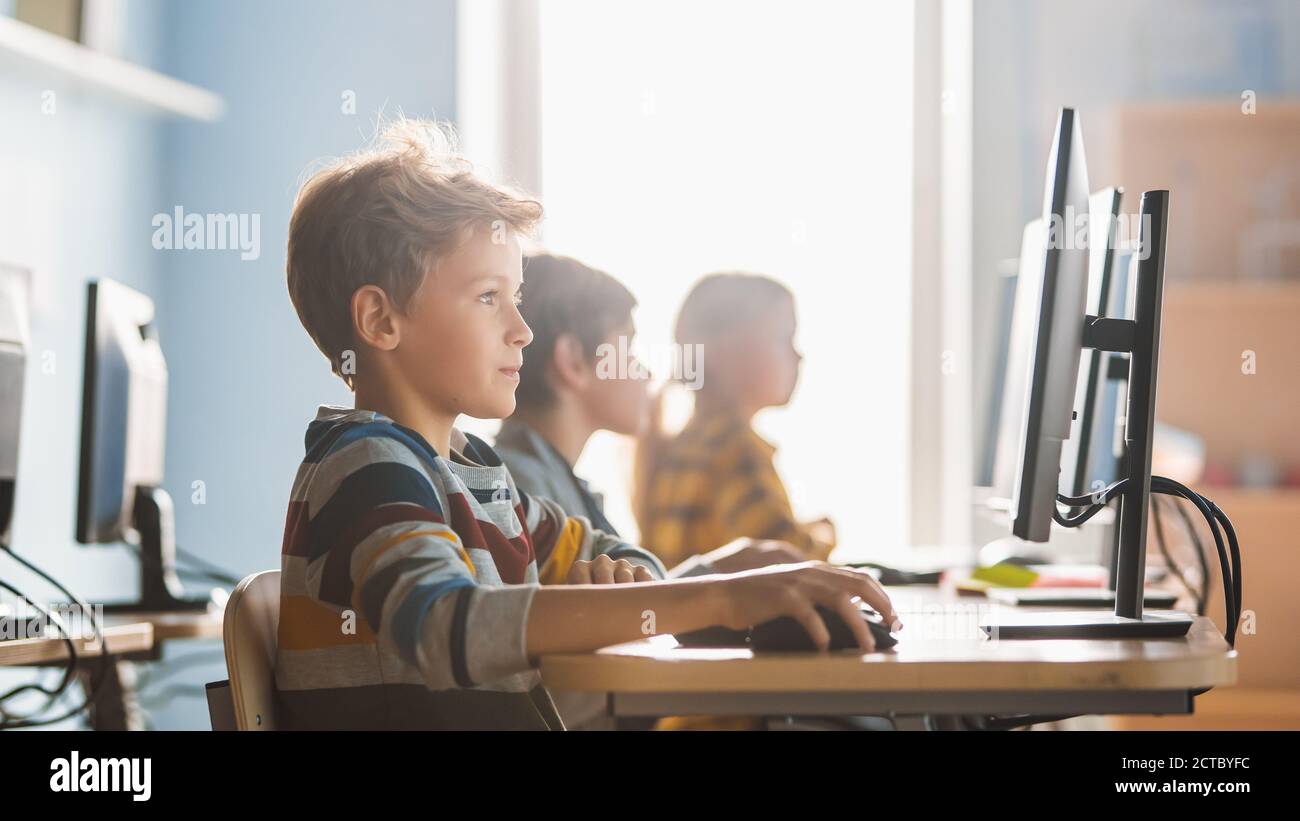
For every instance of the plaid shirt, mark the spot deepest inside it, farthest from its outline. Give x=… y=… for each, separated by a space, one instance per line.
x=715 y=482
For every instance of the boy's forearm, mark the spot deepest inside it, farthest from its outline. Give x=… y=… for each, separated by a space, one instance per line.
x=581 y=618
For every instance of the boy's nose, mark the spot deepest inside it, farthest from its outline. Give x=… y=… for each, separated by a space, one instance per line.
x=521 y=334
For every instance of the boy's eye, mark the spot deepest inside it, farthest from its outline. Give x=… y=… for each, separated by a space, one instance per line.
x=490 y=297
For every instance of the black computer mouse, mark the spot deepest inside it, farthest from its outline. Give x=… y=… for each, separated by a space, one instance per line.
x=785 y=635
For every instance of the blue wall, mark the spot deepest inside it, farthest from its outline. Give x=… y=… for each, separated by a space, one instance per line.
x=78 y=186
x=245 y=377
x=81 y=189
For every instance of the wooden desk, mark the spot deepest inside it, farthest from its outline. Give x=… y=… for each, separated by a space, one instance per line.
x=135 y=636
x=176 y=626
x=943 y=664
x=128 y=637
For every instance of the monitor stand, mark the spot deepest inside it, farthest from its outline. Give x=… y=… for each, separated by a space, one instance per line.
x=160 y=587
x=1086 y=624
x=1140 y=338
x=1074 y=598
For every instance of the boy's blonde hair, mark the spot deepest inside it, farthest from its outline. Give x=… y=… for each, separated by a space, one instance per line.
x=385 y=216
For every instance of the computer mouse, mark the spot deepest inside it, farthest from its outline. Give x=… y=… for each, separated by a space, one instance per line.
x=785 y=635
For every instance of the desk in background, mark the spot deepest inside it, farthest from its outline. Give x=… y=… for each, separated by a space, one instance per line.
x=127 y=637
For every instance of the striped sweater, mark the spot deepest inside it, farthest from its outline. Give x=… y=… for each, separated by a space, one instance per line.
x=406 y=580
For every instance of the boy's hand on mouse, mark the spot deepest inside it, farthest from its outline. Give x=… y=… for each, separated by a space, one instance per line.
x=604 y=570
x=767 y=593
x=748 y=554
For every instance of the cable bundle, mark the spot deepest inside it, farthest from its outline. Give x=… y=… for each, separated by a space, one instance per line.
x=10 y=720
x=1215 y=519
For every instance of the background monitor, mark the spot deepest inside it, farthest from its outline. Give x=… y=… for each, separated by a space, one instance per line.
x=13 y=364
x=123 y=411
x=1105 y=451
x=1058 y=334
x=1006 y=458
x=1004 y=320
x=1091 y=453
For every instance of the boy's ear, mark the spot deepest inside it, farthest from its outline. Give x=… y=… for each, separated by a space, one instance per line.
x=374 y=318
x=569 y=362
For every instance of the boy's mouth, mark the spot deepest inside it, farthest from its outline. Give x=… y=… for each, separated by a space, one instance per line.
x=511 y=373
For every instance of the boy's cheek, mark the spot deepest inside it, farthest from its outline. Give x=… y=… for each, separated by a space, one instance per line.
x=499 y=405
x=498 y=395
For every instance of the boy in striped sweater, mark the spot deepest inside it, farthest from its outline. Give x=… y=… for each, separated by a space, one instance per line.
x=418 y=586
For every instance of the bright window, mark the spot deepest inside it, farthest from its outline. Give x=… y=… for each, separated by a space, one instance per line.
x=682 y=138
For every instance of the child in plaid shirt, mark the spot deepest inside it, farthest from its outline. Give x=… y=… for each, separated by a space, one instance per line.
x=715 y=480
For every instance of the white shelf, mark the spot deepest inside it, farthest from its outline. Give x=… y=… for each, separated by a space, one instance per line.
x=28 y=47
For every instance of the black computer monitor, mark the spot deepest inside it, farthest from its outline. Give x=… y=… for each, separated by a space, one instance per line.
x=120 y=498
x=1063 y=330
x=1091 y=458
x=1091 y=453
x=13 y=366
x=1053 y=366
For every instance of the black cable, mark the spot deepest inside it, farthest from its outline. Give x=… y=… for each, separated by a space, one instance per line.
x=1195 y=536
x=1214 y=514
x=1090 y=510
x=102 y=669
x=1090 y=499
x=185 y=574
x=1075 y=521
x=1232 y=546
x=1170 y=487
x=1169 y=559
x=1230 y=567
x=1236 y=554
x=217 y=572
x=1160 y=484
x=95 y=685
x=86 y=703
x=1230 y=589
x=45 y=722
x=67 y=639
x=12 y=721
x=55 y=583
x=145 y=559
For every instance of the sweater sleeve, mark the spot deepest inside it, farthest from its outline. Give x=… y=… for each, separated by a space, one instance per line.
x=559 y=540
